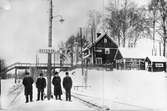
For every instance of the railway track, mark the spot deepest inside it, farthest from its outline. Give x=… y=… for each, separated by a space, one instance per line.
x=106 y=108
x=92 y=105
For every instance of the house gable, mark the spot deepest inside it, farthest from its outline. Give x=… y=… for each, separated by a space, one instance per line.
x=106 y=42
x=103 y=51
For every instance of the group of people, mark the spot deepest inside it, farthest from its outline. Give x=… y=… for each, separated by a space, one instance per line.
x=41 y=85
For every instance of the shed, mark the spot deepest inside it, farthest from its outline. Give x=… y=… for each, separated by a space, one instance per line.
x=156 y=63
x=132 y=58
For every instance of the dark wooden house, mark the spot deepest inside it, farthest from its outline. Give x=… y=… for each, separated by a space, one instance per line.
x=104 y=51
x=156 y=63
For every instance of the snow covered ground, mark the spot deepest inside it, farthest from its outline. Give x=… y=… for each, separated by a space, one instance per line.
x=13 y=100
x=117 y=90
x=122 y=90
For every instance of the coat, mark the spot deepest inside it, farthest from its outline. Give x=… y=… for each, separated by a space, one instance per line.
x=41 y=83
x=27 y=82
x=57 y=85
x=67 y=83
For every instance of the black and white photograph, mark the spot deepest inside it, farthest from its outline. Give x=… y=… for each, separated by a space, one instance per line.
x=83 y=55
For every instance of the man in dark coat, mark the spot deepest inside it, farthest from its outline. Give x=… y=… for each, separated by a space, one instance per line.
x=67 y=84
x=41 y=85
x=57 y=86
x=28 y=88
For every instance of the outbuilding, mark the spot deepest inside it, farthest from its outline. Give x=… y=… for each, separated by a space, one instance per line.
x=132 y=58
x=156 y=63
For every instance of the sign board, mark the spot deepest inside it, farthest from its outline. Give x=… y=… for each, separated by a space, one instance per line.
x=159 y=65
x=48 y=50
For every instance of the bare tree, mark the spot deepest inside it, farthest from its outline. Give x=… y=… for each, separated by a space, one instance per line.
x=127 y=23
x=160 y=6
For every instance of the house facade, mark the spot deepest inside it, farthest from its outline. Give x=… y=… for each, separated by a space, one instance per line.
x=104 y=51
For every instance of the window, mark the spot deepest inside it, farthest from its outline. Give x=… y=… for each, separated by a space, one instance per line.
x=99 y=60
x=105 y=40
x=107 y=50
x=159 y=65
x=98 y=50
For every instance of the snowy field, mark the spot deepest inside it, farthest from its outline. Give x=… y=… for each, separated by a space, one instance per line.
x=139 y=90
x=118 y=90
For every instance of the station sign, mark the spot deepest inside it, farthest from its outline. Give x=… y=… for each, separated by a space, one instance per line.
x=47 y=50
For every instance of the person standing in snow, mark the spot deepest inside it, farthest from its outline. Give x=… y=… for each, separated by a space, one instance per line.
x=67 y=84
x=28 y=88
x=57 y=86
x=41 y=85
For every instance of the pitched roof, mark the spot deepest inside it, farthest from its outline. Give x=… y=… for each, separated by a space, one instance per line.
x=133 y=53
x=157 y=58
x=97 y=40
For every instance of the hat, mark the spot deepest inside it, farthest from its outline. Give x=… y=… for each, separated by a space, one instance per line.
x=41 y=74
x=67 y=73
x=56 y=73
x=26 y=73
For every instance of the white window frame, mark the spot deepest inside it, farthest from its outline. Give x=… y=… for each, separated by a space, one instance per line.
x=159 y=65
x=100 y=59
x=105 y=40
x=107 y=50
x=99 y=50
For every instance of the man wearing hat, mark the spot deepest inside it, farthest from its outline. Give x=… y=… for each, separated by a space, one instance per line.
x=57 y=86
x=28 y=88
x=41 y=85
x=67 y=84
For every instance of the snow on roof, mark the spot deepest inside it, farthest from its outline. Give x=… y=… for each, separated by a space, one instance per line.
x=157 y=58
x=101 y=36
x=86 y=48
x=86 y=56
x=97 y=40
x=134 y=53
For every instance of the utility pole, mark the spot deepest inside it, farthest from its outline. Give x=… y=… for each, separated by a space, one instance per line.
x=49 y=69
x=92 y=35
x=81 y=50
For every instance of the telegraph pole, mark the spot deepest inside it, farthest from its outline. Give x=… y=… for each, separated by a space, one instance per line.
x=49 y=69
x=80 y=31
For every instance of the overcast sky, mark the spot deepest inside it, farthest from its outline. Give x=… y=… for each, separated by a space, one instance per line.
x=24 y=25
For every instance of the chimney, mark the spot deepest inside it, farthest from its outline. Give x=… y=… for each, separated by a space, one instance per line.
x=98 y=34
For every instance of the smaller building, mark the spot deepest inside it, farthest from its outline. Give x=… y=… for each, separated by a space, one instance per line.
x=156 y=63
x=132 y=58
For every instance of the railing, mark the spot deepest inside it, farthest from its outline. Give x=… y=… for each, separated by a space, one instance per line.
x=97 y=66
x=12 y=66
x=77 y=87
x=40 y=65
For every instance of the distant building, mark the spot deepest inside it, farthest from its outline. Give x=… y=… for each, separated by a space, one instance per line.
x=140 y=59
x=156 y=63
x=103 y=51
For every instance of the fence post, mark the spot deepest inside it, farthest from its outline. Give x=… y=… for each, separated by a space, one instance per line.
x=15 y=74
